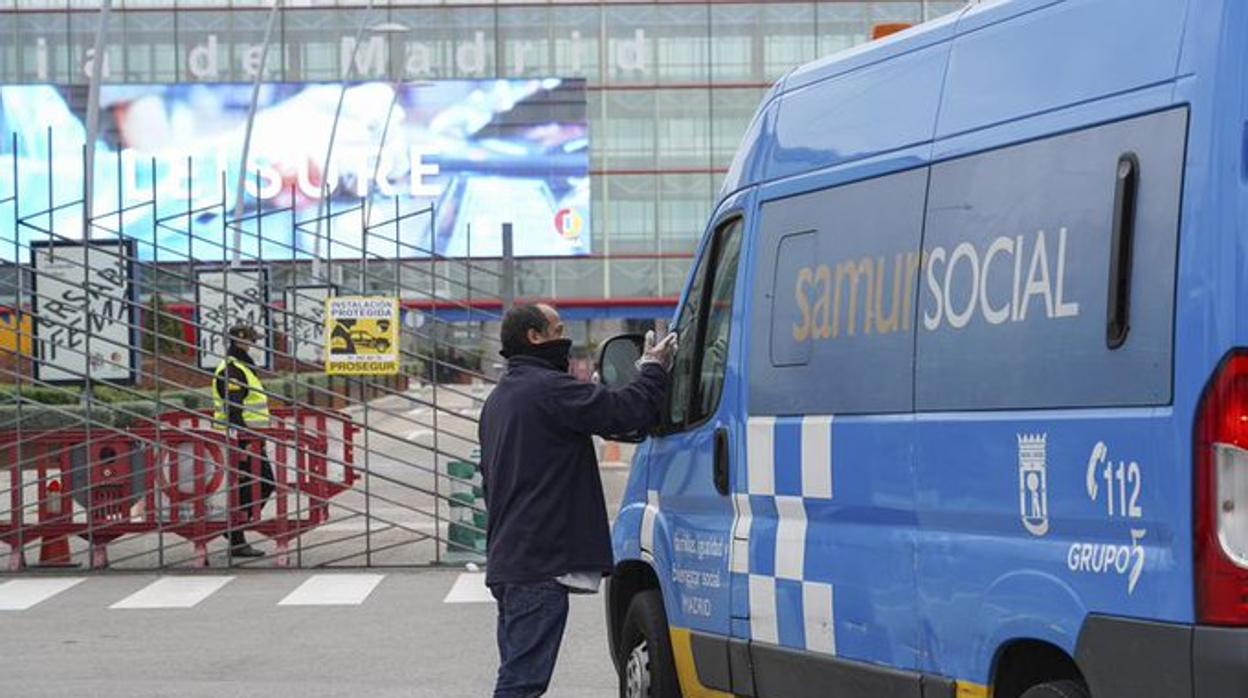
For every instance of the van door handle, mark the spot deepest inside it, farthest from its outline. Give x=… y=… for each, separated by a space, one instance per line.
x=1118 y=321
x=721 y=460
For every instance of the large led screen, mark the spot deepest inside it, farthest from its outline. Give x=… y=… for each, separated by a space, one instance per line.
x=478 y=152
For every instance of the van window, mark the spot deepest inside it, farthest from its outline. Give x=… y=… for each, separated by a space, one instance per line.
x=686 y=332
x=834 y=298
x=1014 y=301
x=788 y=314
x=718 y=323
x=704 y=327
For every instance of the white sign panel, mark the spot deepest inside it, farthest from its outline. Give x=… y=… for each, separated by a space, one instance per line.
x=225 y=297
x=84 y=312
x=305 y=322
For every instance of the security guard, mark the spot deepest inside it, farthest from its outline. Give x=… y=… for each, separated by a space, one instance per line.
x=242 y=403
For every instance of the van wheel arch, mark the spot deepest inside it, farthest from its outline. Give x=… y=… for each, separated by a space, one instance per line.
x=630 y=578
x=1024 y=664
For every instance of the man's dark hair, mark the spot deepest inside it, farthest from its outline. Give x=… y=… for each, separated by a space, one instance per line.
x=516 y=325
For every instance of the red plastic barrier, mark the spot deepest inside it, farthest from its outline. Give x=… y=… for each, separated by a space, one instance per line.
x=178 y=475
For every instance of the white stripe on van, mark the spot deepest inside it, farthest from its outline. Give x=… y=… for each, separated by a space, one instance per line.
x=763 y=624
x=817 y=457
x=647 y=520
x=761 y=455
x=740 y=560
x=819 y=617
x=790 y=538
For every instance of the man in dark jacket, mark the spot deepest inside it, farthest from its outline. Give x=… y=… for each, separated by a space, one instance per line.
x=548 y=531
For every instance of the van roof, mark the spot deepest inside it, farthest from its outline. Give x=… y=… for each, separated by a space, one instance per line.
x=911 y=88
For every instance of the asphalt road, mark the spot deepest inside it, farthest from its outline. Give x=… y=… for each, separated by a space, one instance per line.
x=390 y=635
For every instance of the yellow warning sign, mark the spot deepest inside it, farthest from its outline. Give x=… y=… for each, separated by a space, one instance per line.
x=361 y=336
x=15 y=334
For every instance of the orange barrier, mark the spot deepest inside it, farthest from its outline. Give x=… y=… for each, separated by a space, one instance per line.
x=611 y=455
x=176 y=475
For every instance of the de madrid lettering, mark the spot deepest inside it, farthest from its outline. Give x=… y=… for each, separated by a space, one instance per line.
x=370 y=58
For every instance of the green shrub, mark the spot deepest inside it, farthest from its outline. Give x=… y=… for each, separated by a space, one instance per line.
x=160 y=325
x=38 y=417
x=46 y=395
x=128 y=414
x=414 y=368
x=109 y=393
x=189 y=399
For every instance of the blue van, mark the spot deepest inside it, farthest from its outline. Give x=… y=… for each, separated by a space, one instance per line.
x=961 y=402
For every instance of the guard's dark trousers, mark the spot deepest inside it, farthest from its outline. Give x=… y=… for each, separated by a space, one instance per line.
x=531 y=618
x=247 y=474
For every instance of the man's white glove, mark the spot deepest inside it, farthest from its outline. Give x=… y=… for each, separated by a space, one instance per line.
x=661 y=353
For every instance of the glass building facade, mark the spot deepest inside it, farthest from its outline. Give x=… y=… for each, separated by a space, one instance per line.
x=672 y=85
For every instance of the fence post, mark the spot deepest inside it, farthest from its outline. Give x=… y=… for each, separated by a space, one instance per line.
x=509 y=269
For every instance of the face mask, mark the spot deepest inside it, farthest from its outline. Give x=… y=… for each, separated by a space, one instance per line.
x=554 y=352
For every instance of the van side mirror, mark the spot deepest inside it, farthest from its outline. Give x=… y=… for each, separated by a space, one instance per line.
x=617 y=360
x=617 y=367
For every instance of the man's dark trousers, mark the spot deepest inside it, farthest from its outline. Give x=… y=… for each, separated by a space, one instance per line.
x=531 y=618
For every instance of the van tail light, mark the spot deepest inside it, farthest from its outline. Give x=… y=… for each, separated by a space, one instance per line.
x=1221 y=511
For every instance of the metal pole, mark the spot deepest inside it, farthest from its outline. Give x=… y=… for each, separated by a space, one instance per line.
x=19 y=512
x=365 y=397
x=251 y=119
x=301 y=454
x=381 y=149
x=158 y=451
x=509 y=269
x=93 y=117
x=333 y=132
x=88 y=389
x=398 y=269
x=433 y=334
x=385 y=132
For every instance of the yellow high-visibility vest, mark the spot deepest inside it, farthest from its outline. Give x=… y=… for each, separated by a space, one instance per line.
x=255 y=404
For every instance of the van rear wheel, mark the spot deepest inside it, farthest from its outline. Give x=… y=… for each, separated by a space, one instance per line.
x=647 y=669
x=1058 y=689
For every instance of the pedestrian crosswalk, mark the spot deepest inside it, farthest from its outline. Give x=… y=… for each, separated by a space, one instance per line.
x=469 y=588
x=333 y=590
x=21 y=594
x=174 y=592
x=189 y=591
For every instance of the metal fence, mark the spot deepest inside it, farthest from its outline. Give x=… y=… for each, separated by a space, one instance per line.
x=109 y=452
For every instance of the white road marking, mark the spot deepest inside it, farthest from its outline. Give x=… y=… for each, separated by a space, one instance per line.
x=469 y=588
x=21 y=594
x=419 y=434
x=333 y=590
x=173 y=592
